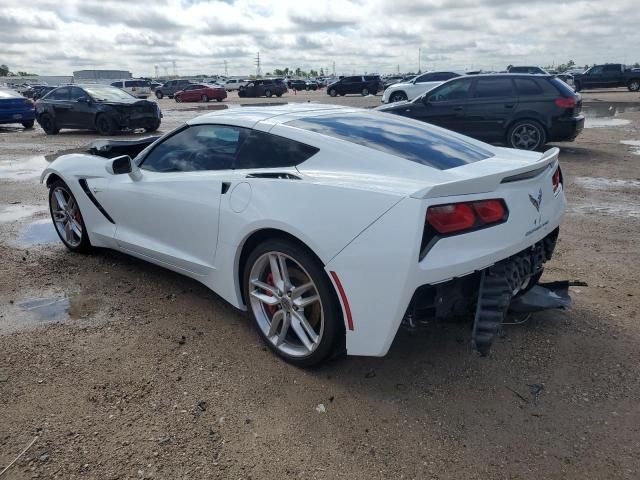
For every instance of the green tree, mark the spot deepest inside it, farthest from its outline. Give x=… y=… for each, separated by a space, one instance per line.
x=4 y=70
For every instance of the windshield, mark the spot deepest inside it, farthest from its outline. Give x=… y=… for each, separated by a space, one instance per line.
x=102 y=93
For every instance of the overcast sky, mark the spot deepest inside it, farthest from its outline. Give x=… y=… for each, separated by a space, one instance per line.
x=59 y=36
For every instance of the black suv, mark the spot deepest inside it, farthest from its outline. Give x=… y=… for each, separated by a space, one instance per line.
x=171 y=87
x=523 y=111
x=262 y=88
x=363 y=85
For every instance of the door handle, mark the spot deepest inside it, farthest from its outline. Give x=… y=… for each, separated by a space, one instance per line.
x=509 y=105
x=457 y=109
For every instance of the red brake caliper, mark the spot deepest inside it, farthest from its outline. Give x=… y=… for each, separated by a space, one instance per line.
x=272 y=308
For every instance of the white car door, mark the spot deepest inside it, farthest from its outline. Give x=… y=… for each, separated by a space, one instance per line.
x=169 y=214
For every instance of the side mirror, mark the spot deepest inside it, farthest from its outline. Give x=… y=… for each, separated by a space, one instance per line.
x=123 y=164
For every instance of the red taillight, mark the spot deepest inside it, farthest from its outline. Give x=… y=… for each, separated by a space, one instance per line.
x=451 y=218
x=457 y=217
x=566 y=102
x=556 y=180
x=490 y=211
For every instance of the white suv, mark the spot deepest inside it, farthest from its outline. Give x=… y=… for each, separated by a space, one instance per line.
x=416 y=87
x=234 y=84
x=137 y=88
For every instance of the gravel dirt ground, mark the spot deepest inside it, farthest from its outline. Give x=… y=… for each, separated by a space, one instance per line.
x=123 y=370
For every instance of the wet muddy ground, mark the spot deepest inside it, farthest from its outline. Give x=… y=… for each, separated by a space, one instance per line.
x=123 y=370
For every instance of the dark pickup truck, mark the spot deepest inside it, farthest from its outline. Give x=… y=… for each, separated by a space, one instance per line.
x=611 y=75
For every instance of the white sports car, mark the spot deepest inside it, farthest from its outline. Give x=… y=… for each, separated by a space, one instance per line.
x=332 y=226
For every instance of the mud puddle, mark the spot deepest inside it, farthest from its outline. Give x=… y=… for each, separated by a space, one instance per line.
x=32 y=312
x=605 y=115
x=601 y=183
x=634 y=144
x=16 y=212
x=40 y=232
x=23 y=168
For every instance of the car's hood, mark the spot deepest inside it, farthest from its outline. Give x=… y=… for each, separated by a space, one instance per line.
x=392 y=106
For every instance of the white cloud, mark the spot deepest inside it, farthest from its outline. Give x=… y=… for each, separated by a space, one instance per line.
x=53 y=37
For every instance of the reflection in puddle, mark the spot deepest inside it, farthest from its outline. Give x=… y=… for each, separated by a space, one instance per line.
x=38 y=311
x=40 y=232
x=635 y=144
x=602 y=115
x=601 y=183
x=12 y=213
x=22 y=168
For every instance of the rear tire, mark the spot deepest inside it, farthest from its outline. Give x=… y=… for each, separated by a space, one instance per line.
x=105 y=124
x=28 y=124
x=323 y=315
x=526 y=135
x=268 y=93
x=634 y=85
x=333 y=92
x=577 y=86
x=48 y=124
x=152 y=128
x=62 y=215
x=365 y=92
x=159 y=95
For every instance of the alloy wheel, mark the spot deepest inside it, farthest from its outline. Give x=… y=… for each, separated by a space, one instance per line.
x=66 y=216
x=525 y=137
x=286 y=304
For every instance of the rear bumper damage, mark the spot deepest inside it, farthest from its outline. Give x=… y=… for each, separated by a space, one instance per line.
x=487 y=295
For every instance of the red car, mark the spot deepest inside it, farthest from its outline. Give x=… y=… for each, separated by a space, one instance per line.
x=198 y=92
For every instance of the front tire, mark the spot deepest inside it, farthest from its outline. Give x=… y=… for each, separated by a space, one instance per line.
x=204 y=98
x=577 y=86
x=268 y=93
x=105 y=124
x=634 y=85
x=48 y=124
x=397 y=97
x=67 y=218
x=526 y=135
x=365 y=92
x=153 y=127
x=159 y=95
x=292 y=302
x=333 y=92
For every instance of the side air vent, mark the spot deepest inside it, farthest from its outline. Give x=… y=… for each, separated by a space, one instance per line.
x=85 y=187
x=276 y=175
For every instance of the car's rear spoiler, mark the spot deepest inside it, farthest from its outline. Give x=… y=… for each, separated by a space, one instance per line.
x=490 y=181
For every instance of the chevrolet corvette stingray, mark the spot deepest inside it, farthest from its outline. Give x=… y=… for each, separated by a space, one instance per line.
x=332 y=226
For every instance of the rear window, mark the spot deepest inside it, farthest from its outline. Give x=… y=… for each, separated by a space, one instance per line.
x=417 y=142
x=527 y=87
x=264 y=150
x=562 y=87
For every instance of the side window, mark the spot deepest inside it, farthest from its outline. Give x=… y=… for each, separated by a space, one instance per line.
x=595 y=71
x=264 y=150
x=115 y=84
x=493 y=88
x=446 y=76
x=60 y=94
x=196 y=148
x=612 y=68
x=457 y=90
x=77 y=93
x=527 y=87
x=429 y=77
